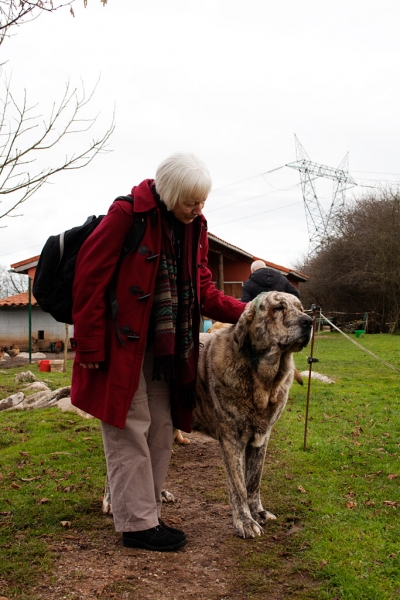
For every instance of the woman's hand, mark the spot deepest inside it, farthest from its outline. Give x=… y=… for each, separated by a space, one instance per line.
x=90 y=365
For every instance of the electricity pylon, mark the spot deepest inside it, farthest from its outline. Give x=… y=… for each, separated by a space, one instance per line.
x=320 y=222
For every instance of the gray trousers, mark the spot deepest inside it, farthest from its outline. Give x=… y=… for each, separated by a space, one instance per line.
x=138 y=456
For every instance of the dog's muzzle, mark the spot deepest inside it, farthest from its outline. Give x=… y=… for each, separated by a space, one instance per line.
x=306 y=324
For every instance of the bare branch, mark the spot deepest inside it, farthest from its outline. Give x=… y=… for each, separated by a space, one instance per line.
x=14 y=13
x=11 y=284
x=27 y=141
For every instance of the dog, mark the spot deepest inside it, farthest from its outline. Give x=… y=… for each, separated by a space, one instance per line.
x=244 y=375
x=217 y=325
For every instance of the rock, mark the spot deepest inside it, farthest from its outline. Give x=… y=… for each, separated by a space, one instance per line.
x=65 y=405
x=26 y=376
x=46 y=398
x=34 y=399
x=39 y=386
x=317 y=376
x=14 y=401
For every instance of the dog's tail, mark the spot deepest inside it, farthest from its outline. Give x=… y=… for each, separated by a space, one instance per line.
x=298 y=377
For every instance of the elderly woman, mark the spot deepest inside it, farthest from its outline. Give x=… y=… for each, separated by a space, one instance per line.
x=138 y=375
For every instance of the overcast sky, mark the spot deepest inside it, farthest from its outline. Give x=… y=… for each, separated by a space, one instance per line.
x=232 y=81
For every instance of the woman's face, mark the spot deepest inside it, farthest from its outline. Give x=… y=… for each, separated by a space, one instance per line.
x=188 y=210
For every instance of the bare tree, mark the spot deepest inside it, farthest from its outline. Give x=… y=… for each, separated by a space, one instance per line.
x=358 y=270
x=13 y=13
x=11 y=283
x=27 y=139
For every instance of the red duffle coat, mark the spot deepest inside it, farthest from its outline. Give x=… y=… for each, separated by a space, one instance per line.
x=107 y=392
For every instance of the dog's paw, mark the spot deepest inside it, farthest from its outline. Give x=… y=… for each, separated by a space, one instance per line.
x=106 y=507
x=265 y=515
x=247 y=528
x=167 y=496
x=179 y=439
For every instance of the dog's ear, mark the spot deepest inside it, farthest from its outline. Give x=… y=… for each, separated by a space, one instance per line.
x=241 y=331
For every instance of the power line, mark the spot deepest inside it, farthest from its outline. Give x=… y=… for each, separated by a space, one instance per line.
x=377 y=173
x=252 y=198
x=257 y=214
x=21 y=250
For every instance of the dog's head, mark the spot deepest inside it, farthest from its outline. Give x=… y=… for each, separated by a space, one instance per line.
x=274 y=319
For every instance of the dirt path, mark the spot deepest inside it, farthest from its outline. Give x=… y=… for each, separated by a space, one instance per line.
x=97 y=566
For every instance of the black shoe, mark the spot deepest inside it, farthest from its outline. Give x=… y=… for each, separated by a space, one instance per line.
x=177 y=532
x=157 y=538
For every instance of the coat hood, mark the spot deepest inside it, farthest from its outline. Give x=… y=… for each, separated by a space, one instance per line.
x=267 y=277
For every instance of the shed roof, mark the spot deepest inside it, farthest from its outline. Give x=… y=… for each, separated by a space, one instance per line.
x=17 y=300
x=215 y=241
x=24 y=265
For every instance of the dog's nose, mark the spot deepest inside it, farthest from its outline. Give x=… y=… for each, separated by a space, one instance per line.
x=306 y=321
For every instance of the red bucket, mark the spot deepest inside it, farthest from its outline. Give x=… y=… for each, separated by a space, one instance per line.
x=44 y=365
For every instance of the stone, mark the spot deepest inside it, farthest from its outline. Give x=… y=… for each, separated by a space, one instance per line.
x=33 y=355
x=25 y=376
x=317 y=376
x=38 y=386
x=14 y=401
x=46 y=398
x=65 y=405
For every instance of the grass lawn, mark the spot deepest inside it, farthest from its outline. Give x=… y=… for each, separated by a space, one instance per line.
x=337 y=503
x=341 y=497
x=51 y=477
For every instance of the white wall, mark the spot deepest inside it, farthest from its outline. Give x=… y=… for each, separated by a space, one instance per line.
x=14 y=327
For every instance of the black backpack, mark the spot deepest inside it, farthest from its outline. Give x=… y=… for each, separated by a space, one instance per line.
x=54 y=277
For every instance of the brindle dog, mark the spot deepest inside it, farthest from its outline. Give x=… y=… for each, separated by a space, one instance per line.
x=244 y=375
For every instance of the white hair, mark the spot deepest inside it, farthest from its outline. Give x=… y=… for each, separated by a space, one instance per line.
x=257 y=264
x=180 y=177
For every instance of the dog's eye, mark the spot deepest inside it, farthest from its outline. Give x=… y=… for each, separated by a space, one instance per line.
x=277 y=308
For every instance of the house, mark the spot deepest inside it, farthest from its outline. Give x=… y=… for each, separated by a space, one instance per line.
x=229 y=265
x=14 y=316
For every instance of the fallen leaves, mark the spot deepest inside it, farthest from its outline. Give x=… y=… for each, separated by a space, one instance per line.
x=58 y=453
x=322 y=564
x=393 y=476
x=351 y=505
x=393 y=503
x=301 y=489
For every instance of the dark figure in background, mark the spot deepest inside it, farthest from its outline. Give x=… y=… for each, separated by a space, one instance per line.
x=265 y=279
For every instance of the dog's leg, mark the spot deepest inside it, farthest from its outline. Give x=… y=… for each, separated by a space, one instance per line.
x=167 y=496
x=255 y=456
x=107 y=507
x=179 y=439
x=233 y=453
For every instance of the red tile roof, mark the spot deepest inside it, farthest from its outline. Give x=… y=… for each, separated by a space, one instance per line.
x=17 y=300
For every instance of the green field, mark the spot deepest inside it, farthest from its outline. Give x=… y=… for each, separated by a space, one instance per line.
x=337 y=503
x=347 y=516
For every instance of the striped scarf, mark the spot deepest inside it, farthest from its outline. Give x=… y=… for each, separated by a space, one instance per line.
x=172 y=311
